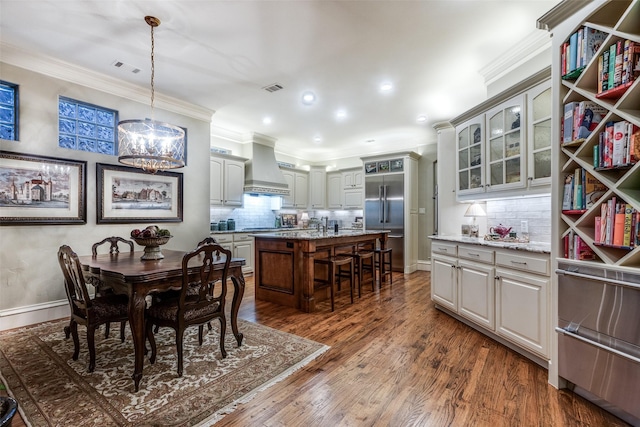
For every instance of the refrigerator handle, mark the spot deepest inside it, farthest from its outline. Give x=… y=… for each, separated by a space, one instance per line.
x=386 y=205
x=380 y=205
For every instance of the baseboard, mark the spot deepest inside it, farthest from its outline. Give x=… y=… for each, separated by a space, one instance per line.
x=29 y=315
x=424 y=265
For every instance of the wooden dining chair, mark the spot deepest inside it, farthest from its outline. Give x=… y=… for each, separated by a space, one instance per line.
x=194 y=308
x=101 y=289
x=86 y=311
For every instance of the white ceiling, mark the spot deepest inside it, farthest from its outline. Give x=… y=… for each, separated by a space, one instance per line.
x=220 y=54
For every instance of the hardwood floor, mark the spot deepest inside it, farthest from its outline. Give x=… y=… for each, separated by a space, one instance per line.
x=395 y=360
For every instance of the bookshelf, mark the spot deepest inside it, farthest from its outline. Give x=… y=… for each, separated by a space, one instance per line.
x=603 y=148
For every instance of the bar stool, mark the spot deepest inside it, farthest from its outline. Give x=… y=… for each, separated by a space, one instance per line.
x=383 y=263
x=334 y=266
x=360 y=257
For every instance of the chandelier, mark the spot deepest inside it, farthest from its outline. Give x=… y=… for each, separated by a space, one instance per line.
x=146 y=143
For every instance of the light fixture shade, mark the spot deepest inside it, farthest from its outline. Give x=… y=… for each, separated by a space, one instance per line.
x=475 y=210
x=150 y=145
x=304 y=216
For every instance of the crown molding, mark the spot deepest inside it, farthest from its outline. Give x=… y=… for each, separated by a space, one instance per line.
x=560 y=13
x=532 y=45
x=58 y=69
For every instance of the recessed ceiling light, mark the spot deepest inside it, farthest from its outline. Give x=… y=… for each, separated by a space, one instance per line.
x=267 y=120
x=386 y=87
x=341 y=114
x=422 y=118
x=308 y=98
x=317 y=139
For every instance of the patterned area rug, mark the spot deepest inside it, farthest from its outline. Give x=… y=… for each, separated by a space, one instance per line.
x=52 y=389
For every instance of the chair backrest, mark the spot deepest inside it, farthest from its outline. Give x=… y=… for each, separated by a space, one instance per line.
x=207 y=241
x=113 y=249
x=75 y=284
x=198 y=267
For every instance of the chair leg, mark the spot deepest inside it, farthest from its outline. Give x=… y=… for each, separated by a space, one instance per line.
x=152 y=343
x=223 y=330
x=332 y=279
x=122 y=326
x=107 y=329
x=200 y=334
x=179 y=338
x=352 y=284
x=73 y=326
x=91 y=333
x=67 y=330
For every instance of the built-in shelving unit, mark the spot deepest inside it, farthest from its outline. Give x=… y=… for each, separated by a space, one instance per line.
x=620 y=21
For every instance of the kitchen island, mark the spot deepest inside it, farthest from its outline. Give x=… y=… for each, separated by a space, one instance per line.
x=284 y=262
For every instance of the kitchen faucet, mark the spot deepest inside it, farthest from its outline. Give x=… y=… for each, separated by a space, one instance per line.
x=325 y=226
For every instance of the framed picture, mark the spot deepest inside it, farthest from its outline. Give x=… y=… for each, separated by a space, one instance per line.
x=383 y=166
x=129 y=195
x=39 y=190
x=371 y=167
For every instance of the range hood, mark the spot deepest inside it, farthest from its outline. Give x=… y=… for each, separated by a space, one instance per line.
x=262 y=174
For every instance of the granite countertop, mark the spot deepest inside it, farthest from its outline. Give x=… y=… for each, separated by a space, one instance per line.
x=310 y=234
x=274 y=230
x=538 y=247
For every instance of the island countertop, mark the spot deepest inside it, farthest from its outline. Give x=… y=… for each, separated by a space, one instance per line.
x=310 y=234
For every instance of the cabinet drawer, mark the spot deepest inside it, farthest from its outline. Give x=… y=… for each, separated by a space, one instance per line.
x=476 y=254
x=533 y=263
x=223 y=238
x=444 y=248
x=242 y=237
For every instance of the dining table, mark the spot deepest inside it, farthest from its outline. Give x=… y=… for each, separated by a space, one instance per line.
x=127 y=274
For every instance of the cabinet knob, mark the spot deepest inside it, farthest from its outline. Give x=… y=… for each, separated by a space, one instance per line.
x=497 y=277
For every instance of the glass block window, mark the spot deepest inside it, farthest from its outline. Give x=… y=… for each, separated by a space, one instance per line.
x=86 y=127
x=8 y=111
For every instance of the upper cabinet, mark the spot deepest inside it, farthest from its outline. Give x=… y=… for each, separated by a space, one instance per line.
x=226 y=180
x=298 y=182
x=318 y=187
x=345 y=189
x=470 y=177
x=503 y=145
x=352 y=178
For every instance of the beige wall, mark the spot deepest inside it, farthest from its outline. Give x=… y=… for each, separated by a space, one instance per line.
x=29 y=272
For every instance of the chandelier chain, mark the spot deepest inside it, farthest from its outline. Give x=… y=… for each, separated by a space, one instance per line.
x=153 y=70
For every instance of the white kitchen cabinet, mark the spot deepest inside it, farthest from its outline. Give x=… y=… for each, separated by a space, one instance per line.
x=352 y=178
x=334 y=190
x=240 y=245
x=503 y=145
x=298 y=183
x=522 y=294
x=345 y=190
x=506 y=292
x=444 y=281
x=505 y=164
x=226 y=181
x=539 y=135
x=318 y=187
x=476 y=299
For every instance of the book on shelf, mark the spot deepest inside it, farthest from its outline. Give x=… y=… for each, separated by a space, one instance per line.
x=567 y=198
x=573 y=52
x=603 y=75
x=636 y=228
x=628 y=225
x=604 y=222
x=619 y=143
x=593 y=190
x=582 y=251
x=597 y=229
x=577 y=189
x=567 y=132
x=619 y=61
x=592 y=41
x=587 y=119
x=634 y=144
x=612 y=67
x=618 y=225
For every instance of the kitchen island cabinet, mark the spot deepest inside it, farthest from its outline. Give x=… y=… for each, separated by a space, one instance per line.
x=284 y=263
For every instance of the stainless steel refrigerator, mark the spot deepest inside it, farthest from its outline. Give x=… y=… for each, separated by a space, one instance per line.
x=384 y=210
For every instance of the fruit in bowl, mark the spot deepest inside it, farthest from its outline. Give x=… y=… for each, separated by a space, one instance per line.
x=151 y=238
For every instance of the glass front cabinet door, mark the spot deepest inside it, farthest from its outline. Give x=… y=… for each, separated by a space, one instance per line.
x=470 y=137
x=505 y=145
x=539 y=137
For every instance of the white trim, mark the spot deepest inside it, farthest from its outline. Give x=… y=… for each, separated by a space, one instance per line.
x=424 y=265
x=58 y=69
x=31 y=314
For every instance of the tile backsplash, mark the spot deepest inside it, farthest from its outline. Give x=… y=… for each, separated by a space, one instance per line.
x=510 y=212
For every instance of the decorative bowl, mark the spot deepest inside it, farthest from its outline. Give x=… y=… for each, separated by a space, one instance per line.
x=152 y=246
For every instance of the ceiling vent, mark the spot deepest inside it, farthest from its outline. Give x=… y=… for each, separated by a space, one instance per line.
x=273 y=88
x=126 y=67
